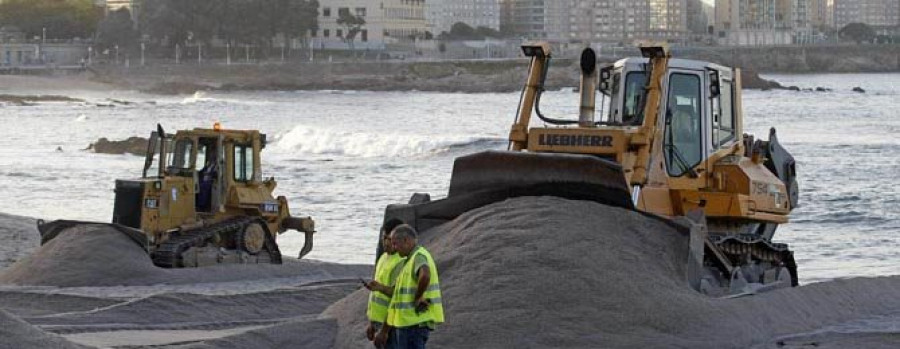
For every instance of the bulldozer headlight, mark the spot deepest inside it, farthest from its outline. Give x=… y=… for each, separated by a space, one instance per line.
x=532 y=51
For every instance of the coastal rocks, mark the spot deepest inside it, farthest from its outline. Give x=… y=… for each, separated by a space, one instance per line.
x=859 y=89
x=132 y=145
x=751 y=80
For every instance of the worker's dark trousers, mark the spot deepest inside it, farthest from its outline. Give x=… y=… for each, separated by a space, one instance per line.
x=413 y=337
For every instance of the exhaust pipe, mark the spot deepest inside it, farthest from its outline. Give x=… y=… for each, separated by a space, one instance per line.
x=588 y=87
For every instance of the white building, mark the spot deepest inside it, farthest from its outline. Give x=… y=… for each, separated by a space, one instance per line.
x=386 y=22
x=442 y=14
x=756 y=22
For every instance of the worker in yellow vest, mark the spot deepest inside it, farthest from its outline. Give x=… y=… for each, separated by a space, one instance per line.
x=387 y=268
x=416 y=305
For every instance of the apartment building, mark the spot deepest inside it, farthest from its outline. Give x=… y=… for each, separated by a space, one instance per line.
x=442 y=14
x=386 y=22
x=820 y=14
x=698 y=16
x=882 y=15
x=596 y=20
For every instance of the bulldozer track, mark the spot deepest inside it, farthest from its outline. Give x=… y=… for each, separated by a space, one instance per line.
x=169 y=253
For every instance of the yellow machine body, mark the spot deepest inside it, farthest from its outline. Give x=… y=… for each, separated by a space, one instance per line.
x=202 y=200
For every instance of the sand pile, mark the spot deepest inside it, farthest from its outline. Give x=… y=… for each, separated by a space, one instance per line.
x=192 y=310
x=548 y=272
x=20 y=237
x=310 y=334
x=97 y=255
x=85 y=255
x=16 y=334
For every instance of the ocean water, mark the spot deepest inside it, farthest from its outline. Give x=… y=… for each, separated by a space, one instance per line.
x=342 y=156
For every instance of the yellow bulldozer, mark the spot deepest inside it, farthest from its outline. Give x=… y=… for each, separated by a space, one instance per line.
x=669 y=144
x=200 y=201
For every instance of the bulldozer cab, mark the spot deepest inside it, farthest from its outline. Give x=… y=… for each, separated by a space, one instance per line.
x=697 y=102
x=205 y=174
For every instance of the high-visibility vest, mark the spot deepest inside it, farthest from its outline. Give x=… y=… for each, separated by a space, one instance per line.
x=378 y=302
x=402 y=312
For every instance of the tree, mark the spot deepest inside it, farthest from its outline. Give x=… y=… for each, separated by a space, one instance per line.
x=238 y=22
x=117 y=29
x=352 y=24
x=487 y=32
x=463 y=31
x=859 y=32
x=61 y=19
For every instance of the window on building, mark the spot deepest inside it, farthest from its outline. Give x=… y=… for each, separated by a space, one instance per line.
x=326 y=33
x=360 y=11
x=364 y=35
x=326 y=12
x=343 y=11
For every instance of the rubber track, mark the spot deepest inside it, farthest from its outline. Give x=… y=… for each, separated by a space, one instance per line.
x=168 y=254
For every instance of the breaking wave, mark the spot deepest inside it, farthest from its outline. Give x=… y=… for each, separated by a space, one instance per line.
x=201 y=97
x=311 y=140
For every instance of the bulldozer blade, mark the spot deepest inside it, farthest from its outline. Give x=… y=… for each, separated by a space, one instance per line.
x=50 y=230
x=572 y=176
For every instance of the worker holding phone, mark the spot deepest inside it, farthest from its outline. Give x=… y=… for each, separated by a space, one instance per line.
x=387 y=268
x=416 y=304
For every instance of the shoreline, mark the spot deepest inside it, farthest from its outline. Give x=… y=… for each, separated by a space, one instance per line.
x=440 y=77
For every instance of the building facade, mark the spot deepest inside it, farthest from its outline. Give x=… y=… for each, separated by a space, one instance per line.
x=613 y=21
x=386 y=22
x=756 y=22
x=820 y=15
x=442 y=14
x=882 y=15
x=698 y=16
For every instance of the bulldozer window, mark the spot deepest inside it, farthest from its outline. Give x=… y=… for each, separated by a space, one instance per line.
x=683 y=137
x=243 y=162
x=725 y=127
x=180 y=157
x=634 y=94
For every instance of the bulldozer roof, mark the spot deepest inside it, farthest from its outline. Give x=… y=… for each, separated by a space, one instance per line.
x=675 y=63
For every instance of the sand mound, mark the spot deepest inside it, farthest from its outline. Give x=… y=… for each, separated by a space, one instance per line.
x=20 y=236
x=193 y=310
x=97 y=255
x=548 y=272
x=85 y=255
x=26 y=304
x=18 y=334
x=311 y=334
